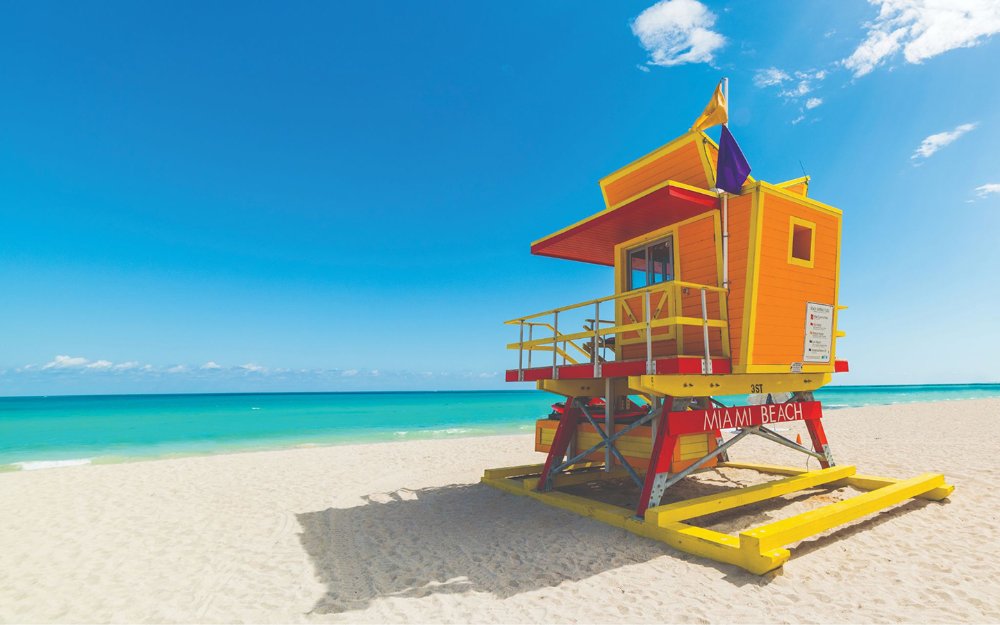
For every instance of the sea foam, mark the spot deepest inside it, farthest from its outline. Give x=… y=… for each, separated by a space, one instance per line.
x=33 y=465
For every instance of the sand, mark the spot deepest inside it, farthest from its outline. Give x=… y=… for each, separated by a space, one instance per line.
x=403 y=532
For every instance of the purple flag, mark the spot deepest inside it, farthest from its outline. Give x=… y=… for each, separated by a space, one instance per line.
x=733 y=167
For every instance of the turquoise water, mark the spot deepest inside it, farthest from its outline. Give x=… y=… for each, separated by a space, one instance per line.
x=47 y=431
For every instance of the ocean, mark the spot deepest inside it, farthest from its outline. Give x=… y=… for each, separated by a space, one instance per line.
x=44 y=432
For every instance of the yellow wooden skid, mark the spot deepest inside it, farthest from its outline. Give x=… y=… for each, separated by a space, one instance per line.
x=735 y=498
x=861 y=482
x=870 y=482
x=757 y=550
x=694 y=540
x=773 y=535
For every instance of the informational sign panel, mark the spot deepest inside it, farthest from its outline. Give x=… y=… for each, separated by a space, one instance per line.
x=819 y=332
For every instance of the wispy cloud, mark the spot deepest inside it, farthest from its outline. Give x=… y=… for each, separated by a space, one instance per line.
x=935 y=142
x=65 y=371
x=66 y=362
x=986 y=190
x=793 y=86
x=675 y=32
x=770 y=77
x=923 y=29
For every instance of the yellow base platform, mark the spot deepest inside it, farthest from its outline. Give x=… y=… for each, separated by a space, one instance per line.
x=758 y=550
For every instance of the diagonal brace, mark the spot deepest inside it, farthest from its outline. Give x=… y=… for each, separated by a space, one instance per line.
x=606 y=440
x=609 y=443
x=773 y=436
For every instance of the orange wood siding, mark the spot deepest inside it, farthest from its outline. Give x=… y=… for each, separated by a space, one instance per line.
x=739 y=251
x=798 y=189
x=682 y=164
x=784 y=288
x=699 y=263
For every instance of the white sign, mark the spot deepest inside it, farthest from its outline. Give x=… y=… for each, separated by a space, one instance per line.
x=819 y=332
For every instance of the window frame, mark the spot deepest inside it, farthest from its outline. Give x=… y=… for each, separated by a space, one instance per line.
x=645 y=247
x=809 y=225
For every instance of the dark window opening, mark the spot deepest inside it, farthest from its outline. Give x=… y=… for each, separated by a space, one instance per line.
x=651 y=264
x=802 y=243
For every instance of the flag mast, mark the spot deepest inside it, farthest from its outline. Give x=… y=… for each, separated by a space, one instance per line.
x=725 y=201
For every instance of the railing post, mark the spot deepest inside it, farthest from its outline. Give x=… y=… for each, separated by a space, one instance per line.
x=707 y=367
x=649 y=336
x=597 y=337
x=520 y=353
x=531 y=334
x=555 y=344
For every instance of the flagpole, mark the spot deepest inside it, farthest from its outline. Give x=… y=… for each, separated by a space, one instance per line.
x=725 y=202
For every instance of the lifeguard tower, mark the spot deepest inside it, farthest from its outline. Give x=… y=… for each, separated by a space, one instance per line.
x=715 y=294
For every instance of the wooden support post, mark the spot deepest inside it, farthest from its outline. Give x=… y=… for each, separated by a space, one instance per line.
x=609 y=422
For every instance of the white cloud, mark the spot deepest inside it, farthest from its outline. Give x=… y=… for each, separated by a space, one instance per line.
x=935 y=142
x=177 y=369
x=349 y=373
x=923 y=29
x=992 y=188
x=812 y=103
x=253 y=368
x=100 y=365
x=126 y=366
x=675 y=32
x=211 y=364
x=770 y=77
x=798 y=119
x=66 y=362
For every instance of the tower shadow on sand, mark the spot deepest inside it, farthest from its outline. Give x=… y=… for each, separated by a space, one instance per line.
x=464 y=538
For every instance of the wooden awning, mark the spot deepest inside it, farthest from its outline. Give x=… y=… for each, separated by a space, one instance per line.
x=593 y=240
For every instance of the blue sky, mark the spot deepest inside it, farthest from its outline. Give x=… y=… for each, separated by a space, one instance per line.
x=340 y=196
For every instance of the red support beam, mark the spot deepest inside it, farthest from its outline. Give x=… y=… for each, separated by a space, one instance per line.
x=659 y=460
x=560 y=443
x=818 y=436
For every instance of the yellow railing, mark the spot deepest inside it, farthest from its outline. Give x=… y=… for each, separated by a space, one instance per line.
x=596 y=334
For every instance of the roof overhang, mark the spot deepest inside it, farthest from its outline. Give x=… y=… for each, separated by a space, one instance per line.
x=593 y=240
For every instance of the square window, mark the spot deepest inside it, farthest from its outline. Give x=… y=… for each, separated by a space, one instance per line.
x=801 y=242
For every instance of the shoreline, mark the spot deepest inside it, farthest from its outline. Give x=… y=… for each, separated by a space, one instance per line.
x=375 y=438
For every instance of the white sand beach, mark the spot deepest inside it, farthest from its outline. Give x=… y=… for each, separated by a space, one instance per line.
x=404 y=532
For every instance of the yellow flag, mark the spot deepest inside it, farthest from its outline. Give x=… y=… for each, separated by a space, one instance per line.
x=715 y=113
